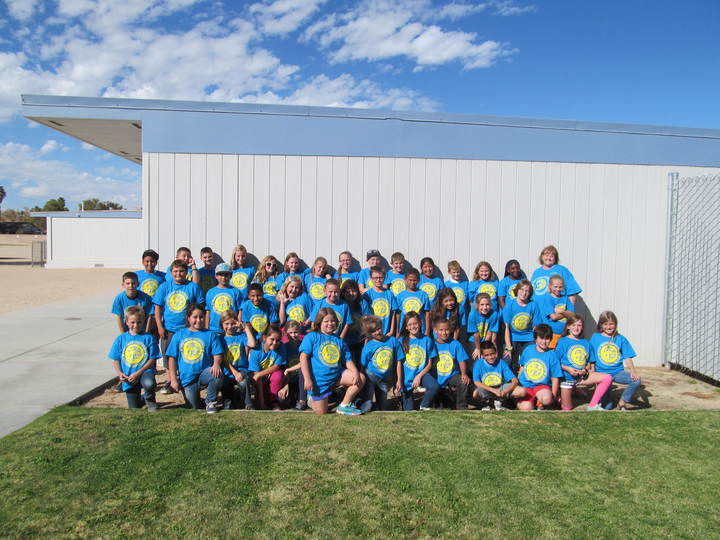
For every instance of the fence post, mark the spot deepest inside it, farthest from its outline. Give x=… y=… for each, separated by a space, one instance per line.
x=667 y=312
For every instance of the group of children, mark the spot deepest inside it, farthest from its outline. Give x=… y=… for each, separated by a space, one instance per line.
x=277 y=336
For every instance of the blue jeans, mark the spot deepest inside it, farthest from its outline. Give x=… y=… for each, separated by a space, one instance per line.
x=377 y=386
x=147 y=383
x=241 y=399
x=191 y=392
x=621 y=377
x=431 y=387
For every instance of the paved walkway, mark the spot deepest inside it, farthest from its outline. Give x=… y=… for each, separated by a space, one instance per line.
x=51 y=355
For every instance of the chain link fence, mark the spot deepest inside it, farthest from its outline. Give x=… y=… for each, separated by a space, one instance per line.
x=692 y=310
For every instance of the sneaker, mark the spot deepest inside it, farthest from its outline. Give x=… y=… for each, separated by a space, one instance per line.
x=597 y=407
x=152 y=406
x=227 y=404
x=300 y=405
x=348 y=410
x=486 y=408
x=167 y=389
x=425 y=408
x=249 y=408
x=211 y=408
x=498 y=405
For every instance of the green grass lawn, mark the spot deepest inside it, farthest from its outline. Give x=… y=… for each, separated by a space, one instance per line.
x=111 y=472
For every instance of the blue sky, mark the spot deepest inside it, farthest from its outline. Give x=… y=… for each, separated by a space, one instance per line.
x=633 y=61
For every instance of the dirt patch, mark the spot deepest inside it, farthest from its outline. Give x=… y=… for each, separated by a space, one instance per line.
x=662 y=390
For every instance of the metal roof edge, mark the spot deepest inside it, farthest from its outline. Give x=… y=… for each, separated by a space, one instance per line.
x=135 y=214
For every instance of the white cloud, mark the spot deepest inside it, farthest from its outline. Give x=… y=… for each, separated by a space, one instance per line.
x=284 y=16
x=86 y=146
x=455 y=10
x=50 y=146
x=508 y=8
x=21 y=9
x=32 y=176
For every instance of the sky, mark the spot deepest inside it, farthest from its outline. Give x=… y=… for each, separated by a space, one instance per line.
x=631 y=61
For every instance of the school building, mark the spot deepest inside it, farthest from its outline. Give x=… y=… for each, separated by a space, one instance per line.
x=322 y=180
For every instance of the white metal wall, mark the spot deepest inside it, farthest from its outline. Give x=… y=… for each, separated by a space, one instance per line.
x=90 y=242
x=608 y=221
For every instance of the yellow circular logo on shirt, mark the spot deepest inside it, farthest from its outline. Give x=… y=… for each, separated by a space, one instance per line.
x=149 y=286
x=381 y=308
x=233 y=353
x=412 y=304
x=222 y=303
x=482 y=328
x=382 y=358
x=239 y=280
x=492 y=379
x=488 y=288
x=134 y=353
x=577 y=354
x=317 y=290
x=430 y=290
x=445 y=363
x=609 y=353
x=177 y=301
x=459 y=294
x=266 y=362
x=511 y=291
x=329 y=354
x=535 y=370
x=259 y=322
x=397 y=286
x=192 y=350
x=270 y=288
x=521 y=321
x=297 y=313
x=415 y=356
x=540 y=284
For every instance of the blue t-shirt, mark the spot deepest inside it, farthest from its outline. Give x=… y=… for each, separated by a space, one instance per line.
x=328 y=355
x=506 y=287
x=383 y=305
x=149 y=283
x=168 y=273
x=218 y=301
x=395 y=282
x=282 y=277
x=521 y=319
x=482 y=324
x=460 y=288
x=207 y=278
x=194 y=352
x=133 y=352
x=546 y=304
x=235 y=353
x=271 y=286
x=538 y=367
x=299 y=309
x=260 y=359
x=260 y=316
x=346 y=276
x=608 y=354
x=354 y=333
x=541 y=280
x=488 y=287
x=315 y=287
x=448 y=364
x=420 y=351
x=494 y=375
x=379 y=357
x=174 y=300
x=416 y=301
x=241 y=278
x=122 y=301
x=341 y=309
x=431 y=286
x=291 y=353
x=364 y=278
x=574 y=353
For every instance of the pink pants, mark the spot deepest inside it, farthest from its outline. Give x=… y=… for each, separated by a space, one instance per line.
x=268 y=388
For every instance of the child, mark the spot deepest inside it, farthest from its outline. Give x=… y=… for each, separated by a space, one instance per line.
x=613 y=354
x=574 y=352
x=333 y=301
x=549 y=259
x=359 y=306
x=294 y=382
x=207 y=272
x=420 y=356
x=291 y=268
x=235 y=367
x=267 y=276
x=257 y=311
x=221 y=299
x=379 y=357
x=343 y=272
x=382 y=301
x=321 y=357
x=315 y=280
x=134 y=354
x=295 y=305
x=506 y=288
x=555 y=307
x=484 y=281
x=395 y=279
x=538 y=367
x=430 y=282
x=451 y=366
x=446 y=307
x=412 y=299
x=493 y=379
x=131 y=297
x=483 y=324
x=520 y=315
x=266 y=369
x=242 y=272
x=173 y=298
x=196 y=357
x=459 y=287
x=184 y=254
x=374 y=260
x=150 y=279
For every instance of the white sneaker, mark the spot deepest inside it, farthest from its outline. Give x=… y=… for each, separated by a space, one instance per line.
x=486 y=408
x=498 y=405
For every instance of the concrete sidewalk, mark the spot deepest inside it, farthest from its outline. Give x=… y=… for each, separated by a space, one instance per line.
x=52 y=354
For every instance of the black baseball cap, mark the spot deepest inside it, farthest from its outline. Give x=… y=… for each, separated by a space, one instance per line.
x=372 y=253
